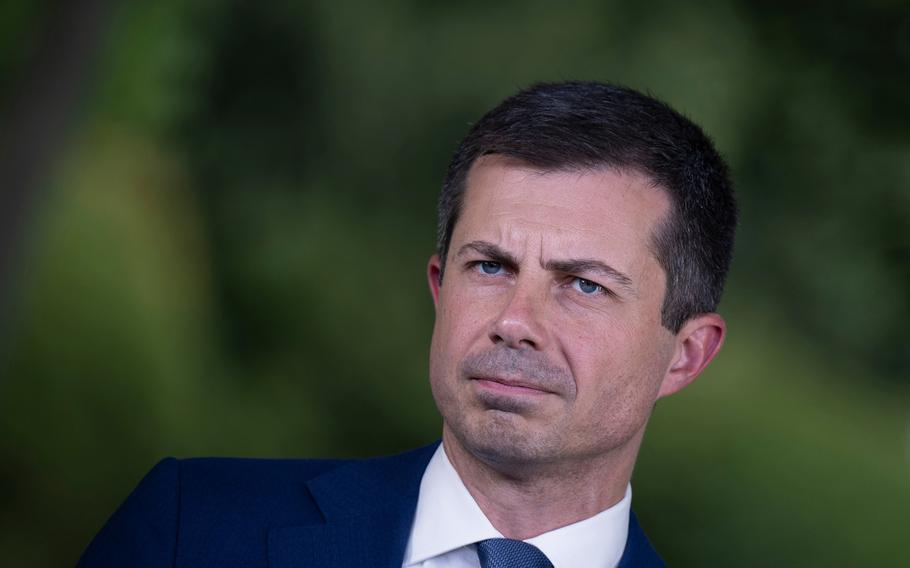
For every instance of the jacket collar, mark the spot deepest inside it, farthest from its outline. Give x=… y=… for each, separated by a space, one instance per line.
x=638 y=553
x=368 y=507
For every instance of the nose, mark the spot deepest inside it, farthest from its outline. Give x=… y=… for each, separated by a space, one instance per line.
x=520 y=325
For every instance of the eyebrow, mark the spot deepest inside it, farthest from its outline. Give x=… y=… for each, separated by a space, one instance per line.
x=568 y=266
x=489 y=250
x=589 y=265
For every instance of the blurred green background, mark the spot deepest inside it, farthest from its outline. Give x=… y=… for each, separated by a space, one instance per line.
x=216 y=217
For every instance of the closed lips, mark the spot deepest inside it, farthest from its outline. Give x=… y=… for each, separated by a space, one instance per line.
x=512 y=384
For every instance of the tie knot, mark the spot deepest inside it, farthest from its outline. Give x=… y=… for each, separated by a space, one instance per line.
x=509 y=553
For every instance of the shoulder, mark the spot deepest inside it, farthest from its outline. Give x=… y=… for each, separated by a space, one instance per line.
x=204 y=496
x=228 y=481
x=206 y=511
x=277 y=482
x=232 y=473
x=218 y=508
x=235 y=492
x=235 y=477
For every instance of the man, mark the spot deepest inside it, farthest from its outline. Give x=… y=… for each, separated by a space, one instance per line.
x=585 y=233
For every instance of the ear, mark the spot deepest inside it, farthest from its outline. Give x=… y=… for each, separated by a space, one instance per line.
x=697 y=343
x=433 y=272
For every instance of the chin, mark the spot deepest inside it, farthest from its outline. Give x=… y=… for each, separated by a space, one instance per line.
x=505 y=440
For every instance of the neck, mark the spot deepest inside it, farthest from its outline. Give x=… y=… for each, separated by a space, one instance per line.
x=523 y=502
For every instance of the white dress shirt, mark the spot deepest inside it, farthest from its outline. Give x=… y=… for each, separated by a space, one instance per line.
x=448 y=523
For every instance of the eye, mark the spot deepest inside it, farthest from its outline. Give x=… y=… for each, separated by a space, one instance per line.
x=587 y=287
x=490 y=267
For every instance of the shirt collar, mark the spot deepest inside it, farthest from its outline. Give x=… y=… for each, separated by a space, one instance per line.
x=597 y=541
x=448 y=518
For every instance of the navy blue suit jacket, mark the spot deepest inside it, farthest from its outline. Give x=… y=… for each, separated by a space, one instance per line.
x=278 y=514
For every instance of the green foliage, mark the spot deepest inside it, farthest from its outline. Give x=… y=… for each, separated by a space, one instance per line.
x=231 y=259
x=772 y=456
x=19 y=30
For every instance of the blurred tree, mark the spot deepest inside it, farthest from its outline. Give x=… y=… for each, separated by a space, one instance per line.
x=46 y=58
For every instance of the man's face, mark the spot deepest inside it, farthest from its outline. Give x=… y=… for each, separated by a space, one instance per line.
x=548 y=345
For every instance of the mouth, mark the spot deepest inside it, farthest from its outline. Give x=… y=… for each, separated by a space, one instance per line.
x=514 y=387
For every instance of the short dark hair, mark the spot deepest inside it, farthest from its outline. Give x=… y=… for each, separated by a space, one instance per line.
x=588 y=125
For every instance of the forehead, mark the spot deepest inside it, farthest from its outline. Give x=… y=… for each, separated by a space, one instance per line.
x=585 y=212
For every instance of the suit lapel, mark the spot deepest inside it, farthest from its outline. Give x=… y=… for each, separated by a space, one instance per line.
x=368 y=508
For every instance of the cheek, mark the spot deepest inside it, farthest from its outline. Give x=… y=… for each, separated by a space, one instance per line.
x=454 y=330
x=595 y=348
x=616 y=369
x=615 y=401
x=463 y=316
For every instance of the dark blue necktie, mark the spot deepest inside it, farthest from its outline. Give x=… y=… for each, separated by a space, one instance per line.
x=508 y=553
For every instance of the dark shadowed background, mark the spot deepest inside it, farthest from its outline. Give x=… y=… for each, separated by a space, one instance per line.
x=215 y=218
